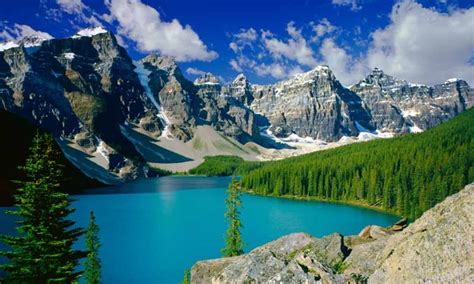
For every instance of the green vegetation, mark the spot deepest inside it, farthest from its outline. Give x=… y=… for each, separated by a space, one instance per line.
x=224 y=166
x=42 y=253
x=87 y=107
x=405 y=175
x=92 y=264
x=186 y=277
x=233 y=242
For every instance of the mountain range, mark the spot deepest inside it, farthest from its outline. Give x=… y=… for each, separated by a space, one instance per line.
x=115 y=118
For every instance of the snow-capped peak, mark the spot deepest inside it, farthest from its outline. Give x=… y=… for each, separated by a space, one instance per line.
x=33 y=40
x=89 y=32
x=239 y=79
x=452 y=80
x=322 y=68
x=8 y=45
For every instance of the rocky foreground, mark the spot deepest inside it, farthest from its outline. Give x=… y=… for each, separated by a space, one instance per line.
x=437 y=247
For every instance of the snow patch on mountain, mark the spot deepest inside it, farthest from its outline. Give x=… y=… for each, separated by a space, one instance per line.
x=7 y=45
x=102 y=150
x=69 y=55
x=143 y=74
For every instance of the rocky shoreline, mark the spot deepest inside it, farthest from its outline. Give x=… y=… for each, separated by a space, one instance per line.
x=437 y=247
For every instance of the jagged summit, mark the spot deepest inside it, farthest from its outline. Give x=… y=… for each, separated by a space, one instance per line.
x=240 y=79
x=33 y=40
x=207 y=79
x=87 y=86
x=27 y=42
x=166 y=63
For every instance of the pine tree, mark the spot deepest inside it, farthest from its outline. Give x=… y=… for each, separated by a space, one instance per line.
x=42 y=253
x=233 y=242
x=187 y=277
x=92 y=264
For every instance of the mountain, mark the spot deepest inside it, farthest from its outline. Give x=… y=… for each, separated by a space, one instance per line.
x=14 y=150
x=115 y=118
x=431 y=249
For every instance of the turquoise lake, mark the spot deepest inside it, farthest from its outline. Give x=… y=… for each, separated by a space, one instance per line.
x=152 y=230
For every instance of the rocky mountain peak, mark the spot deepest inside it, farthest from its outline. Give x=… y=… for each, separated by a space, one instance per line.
x=33 y=40
x=241 y=79
x=165 y=63
x=207 y=79
x=379 y=78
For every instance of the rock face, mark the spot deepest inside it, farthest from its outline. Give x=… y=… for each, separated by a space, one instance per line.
x=91 y=96
x=435 y=248
x=401 y=107
x=312 y=104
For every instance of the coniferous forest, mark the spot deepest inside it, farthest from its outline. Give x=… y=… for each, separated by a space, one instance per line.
x=405 y=175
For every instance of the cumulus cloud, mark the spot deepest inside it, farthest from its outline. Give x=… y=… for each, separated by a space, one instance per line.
x=296 y=48
x=347 y=69
x=276 y=70
x=18 y=31
x=143 y=25
x=263 y=53
x=425 y=46
x=352 y=3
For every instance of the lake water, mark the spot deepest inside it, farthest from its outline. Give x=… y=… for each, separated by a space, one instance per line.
x=152 y=230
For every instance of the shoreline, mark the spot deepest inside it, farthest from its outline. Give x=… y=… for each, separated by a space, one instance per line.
x=314 y=198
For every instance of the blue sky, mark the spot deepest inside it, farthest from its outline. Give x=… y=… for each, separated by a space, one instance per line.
x=420 y=41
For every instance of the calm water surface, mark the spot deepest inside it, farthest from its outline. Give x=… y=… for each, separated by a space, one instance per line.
x=152 y=230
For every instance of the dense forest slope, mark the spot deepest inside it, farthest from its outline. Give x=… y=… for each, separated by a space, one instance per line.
x=405 y=175
x=14 y=145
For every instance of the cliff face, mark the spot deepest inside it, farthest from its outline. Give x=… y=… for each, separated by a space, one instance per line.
x=313 y=104
x=112 y=116
x=437 y=247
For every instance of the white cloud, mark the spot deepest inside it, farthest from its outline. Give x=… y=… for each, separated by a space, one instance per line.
x=266 y=55
x=235 y=65
x=345 y=68
x=142 y=24
x=83 y=13
x=425 y=46
x=71 y=6
x=296 y=48
x=195 y=71
x=18 y=31
x=244 y=38
x=324 y=27
x=276 y=70
x=352 y=3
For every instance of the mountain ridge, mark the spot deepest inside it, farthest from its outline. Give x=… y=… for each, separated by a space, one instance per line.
x=112 y=116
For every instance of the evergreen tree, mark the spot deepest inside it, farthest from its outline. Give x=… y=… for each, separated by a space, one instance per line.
x=42 y=253
x=187 y=277
x=233 y=242
x=92 y=264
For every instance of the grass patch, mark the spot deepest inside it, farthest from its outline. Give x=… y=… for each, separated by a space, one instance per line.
x=224 y=166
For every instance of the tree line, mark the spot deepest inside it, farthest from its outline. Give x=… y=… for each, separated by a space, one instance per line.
x=405 y=175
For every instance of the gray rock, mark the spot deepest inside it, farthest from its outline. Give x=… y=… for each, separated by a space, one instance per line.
x=435 y=248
